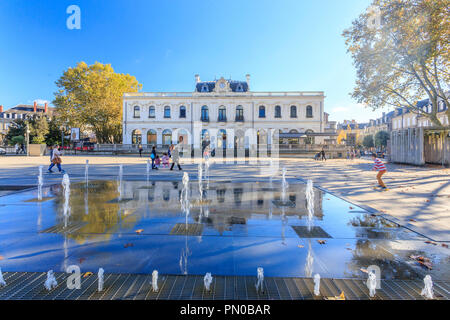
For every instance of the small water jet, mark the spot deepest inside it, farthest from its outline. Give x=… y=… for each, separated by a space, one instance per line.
x=317 y=284
x=147 y=170
x=310 y=203
x=50 y=283
x=100 y=279
x=119 y=187
x=372 y=283
x=2 y=281
x=427 y=291
x=207 y=280
x=284 y=186
x=309 y=261
x=155 y=281
x=40 y=183
x=86 y=172
x=260 y=282
x=66 y=189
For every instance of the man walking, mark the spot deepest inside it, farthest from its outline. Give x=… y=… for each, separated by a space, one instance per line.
x=153 y=157
x=381 y=168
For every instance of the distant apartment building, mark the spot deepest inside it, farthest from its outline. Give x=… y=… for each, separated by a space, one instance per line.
x=406 y=118
x=21 y=111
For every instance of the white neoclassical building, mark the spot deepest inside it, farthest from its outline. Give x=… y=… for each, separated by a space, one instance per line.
x=225 y=111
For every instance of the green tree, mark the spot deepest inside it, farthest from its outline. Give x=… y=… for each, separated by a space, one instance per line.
x=38 y=129
x=368 y=141
x=90 y=97
x=381 y=138
x=404 y=59
x=53 y=136
x=16 y=128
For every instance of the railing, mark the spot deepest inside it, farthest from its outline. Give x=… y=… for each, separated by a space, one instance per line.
x=255 y=94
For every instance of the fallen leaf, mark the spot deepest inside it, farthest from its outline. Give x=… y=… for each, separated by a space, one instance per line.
x=364 y=270
x=139 y=231
x=321 y=241
x=351 y=207
x=1 y=258
x=444 y=245
x=412 y=220
x=433 y=243
x=87 y=274
x=126 y=245
x=300 y=246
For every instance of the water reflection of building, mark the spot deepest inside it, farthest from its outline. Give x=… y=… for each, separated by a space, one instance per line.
x=227 y=203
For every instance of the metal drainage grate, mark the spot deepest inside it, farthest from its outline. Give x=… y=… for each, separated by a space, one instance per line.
x=190 y=229
x=237 y=220
x=280 y=203
x=315 y=232
x=75 y=226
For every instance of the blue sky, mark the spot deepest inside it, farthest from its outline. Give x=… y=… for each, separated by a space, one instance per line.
x=284 y=45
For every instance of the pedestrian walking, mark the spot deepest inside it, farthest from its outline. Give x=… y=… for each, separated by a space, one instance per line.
x=322 y=154
x=140 y=150
x=56 y=160
x=153 y=157
x=381 y=168
x=16 y=147
x=174 y=150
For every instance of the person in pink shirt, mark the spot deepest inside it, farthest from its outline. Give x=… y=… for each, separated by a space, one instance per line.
x=381 y=168
x=165 y=160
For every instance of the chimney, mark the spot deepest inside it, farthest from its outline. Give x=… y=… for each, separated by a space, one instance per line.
x=35 y=106
x=46 y=107
x=197 y=78
x=247 y=77
x=1 y=109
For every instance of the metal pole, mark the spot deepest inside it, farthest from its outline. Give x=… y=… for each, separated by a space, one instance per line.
x=62 y=138
x=28 y=140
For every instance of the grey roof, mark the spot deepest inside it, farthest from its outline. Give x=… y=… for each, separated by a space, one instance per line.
x=210 y=85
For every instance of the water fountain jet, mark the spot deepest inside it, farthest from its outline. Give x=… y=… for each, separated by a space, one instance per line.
x=310 y=203
x=50 y=283
x=2 y=281
x=372 y=283
x=207 y=280
x=427 y=291
x=100 y=279
x=317 y=284
x=66 y=209
x=40 y=183
x=155 y=281
x=260 y=282
x=86 y=172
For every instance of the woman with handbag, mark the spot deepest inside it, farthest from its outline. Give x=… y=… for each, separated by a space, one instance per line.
x=56 y=160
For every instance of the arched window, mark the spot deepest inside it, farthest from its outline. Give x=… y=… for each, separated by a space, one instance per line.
x=293 y=112
x=182 y=112
x=204 y=88
x=222 y=114
x=151 y=112
x=277 y=112
x=239 y=88
x=239 y=113
x=205 y=113
x=151 y=137
x=309 y=112
x=166 y=112
x=136 y=137
x=222 y=139
x=167 y=137
x=137 y=112
x=262 y=111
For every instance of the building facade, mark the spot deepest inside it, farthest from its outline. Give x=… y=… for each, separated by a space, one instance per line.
x=21 y=111
x=225 y=111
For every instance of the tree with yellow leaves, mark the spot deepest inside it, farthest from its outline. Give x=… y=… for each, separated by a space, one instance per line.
x=90 y=97
x=405 y=57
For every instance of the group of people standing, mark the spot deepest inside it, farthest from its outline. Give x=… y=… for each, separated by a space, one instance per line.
x=172 y=153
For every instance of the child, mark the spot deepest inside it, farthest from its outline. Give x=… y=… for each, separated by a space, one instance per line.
x=165 y=160
x=381 y=168
x=157 y=161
